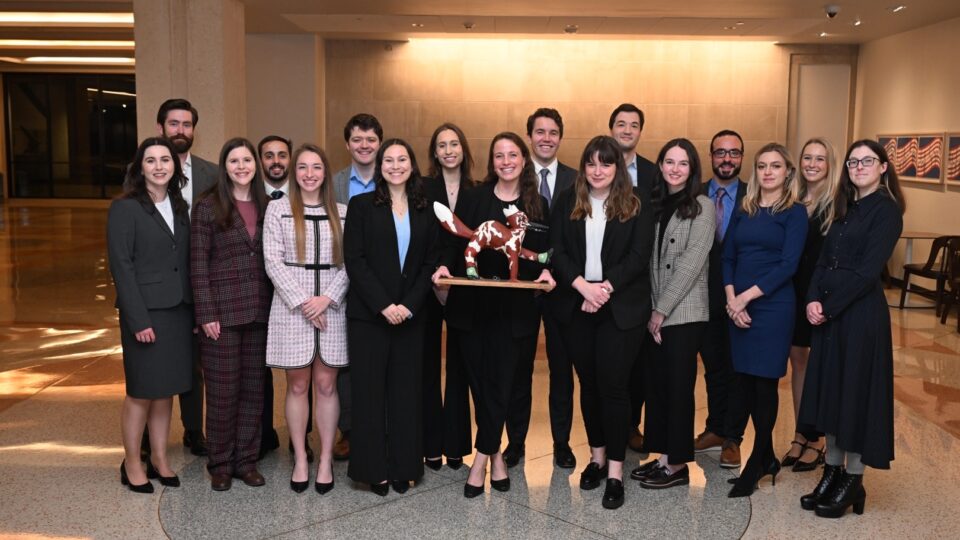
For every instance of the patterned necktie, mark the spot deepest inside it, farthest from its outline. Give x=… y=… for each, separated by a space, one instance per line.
x=719 y=202
x=277 y=194
x=544 y=186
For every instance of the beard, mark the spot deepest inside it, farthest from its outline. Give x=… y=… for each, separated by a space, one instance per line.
x=720 y=175
x=278 y=176
x=181 y=143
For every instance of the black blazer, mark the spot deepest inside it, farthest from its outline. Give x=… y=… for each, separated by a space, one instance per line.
x=646 y=177
x=150 y=263
x=566 y=176
x=466 y=304
x=626 y=263
x=372 y=259
x=718 y=298
x=436 y=190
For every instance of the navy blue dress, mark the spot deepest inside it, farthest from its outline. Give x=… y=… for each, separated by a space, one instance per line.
x=764 y=250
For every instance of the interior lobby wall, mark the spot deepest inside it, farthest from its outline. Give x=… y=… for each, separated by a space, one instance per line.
x=685 y=88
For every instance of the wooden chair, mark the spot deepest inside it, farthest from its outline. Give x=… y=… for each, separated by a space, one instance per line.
x=935 y=268
x=951 y=296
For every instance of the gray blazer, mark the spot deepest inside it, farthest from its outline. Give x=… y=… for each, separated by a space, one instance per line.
x=204 y=175
x=679 y=269
x=148 y=274
x=341 y=185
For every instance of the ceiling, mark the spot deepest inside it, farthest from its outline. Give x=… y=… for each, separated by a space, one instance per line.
x=785 y=21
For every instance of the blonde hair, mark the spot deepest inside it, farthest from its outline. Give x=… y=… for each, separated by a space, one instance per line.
x=790 y=193
x=328 y=199
x=824 y=204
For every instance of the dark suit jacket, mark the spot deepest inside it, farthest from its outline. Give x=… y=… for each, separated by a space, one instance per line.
x=226 y=268
x=204 y=175
x=372 y=259
x=718 y=298
x=150 y=263
x=626 y=263
x=566 y=176
x=646 y=177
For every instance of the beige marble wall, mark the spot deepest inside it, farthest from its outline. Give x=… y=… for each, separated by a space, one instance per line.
x=685 y=88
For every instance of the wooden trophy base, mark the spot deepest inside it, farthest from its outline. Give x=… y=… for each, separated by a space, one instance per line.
x=505 y=284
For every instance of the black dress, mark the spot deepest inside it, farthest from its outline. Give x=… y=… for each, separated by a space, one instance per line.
x=801 y=280
x=848 y=390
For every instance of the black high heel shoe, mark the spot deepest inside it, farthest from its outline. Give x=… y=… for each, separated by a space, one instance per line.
x=326 y=487
x=168 y=481
x=500 y=485
x=829 y=480
x=141 y=488
x=804 y=466
x=298 y=487
x=849 y=492
x=455 y=463
x=789 y=460
x=380 y=489
x=433 y=464
x=746 y=484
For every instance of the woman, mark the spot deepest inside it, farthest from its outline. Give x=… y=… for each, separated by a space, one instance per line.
x=446 y=420
x=232 y=305
x=819 y=180
x=848 y=391
x=684 y=233
x=491 y=326
x=307 y=332
x=154 y=298
x=388 y=251
x=763 y=245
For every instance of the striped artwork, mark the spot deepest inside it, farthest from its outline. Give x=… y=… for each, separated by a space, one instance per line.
x=953 y=158
x=916 y=157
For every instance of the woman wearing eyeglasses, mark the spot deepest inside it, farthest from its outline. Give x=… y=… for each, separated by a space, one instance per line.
x=848 y=391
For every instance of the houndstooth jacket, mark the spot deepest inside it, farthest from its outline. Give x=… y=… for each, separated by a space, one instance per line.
x=292 y=341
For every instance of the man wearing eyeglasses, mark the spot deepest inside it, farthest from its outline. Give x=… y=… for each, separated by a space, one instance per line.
x=724 y=430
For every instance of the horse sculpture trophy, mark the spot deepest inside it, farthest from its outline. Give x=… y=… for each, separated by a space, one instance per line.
x=507 y=239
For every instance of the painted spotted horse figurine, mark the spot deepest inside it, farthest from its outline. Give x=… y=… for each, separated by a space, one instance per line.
x=507 y=239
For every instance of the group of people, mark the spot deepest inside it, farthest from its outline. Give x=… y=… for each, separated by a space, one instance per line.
x=267 y=260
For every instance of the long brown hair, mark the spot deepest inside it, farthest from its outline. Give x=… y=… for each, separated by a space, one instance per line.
x=135 y=184
x=414 y=186
x=528 y=177
x=436 y=170
x=622 y=203
x=789 y=195
x=328 y=199
x=889 y=181
x=689 y=206
x=224 y=205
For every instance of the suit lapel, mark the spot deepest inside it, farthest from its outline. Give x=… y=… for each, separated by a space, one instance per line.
x=162 y=222
x=609 y=237
x=668 y=232
x=385 y=216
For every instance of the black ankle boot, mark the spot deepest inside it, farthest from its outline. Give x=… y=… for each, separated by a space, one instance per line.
x=831 y=475
x=849 y=492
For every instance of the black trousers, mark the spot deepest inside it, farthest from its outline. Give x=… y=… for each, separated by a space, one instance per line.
x=722 y=419
x=446 y=414
x=191 y=403
x=638 y=387
x=344 y=393
x=490 y=354
x=521 y=395
x=757 y=398
x=603 y=356
x=671 y=375
x=386 y=362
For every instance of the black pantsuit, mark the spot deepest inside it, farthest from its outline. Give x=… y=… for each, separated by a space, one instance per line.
x=446 y=407
x=671 y=375
x=603 y=356
x=521 y=394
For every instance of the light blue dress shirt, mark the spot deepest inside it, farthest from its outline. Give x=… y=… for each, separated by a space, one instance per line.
x=402 y=226
x=356 y=185
x=729 y=201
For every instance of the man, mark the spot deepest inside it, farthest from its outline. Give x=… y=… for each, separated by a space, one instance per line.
x=544 y=133
x=726 y=190
x=626 y=125
x=363 y=135
x=176 y=121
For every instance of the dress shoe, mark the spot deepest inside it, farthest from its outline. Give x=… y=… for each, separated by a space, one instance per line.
x=252 y=478
x=730 y=455
x=591 y=476
x=789 y=460
x=380 y=489
x=513 y=453
x=661 y=478
x=220 y=481
x=804 y=466
x=433 y=464
x=642 y=472
x=196 y=442
x=471 y=491
x=772 y=468
x=849 y=492
x=323 y=487
x=500 y=485
x=613 y=494
x=306 y=446
x=707 y=441
x=299 y=487
x=400 y=486
x=168 y=481
x=146 y=487
x=563 y=457
x=635 y=441
x=829 y=480
x=752 y=474
x=341 y=450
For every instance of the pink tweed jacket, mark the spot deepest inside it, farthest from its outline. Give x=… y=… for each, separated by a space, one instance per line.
x=292 y=341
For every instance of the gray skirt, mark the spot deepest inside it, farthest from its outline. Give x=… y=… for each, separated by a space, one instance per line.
x=162 y=368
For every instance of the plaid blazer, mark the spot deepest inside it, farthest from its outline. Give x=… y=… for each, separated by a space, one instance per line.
x=230 y=284
x=679 y=269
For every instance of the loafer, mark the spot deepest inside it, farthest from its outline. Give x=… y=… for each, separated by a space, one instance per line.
x=591 y=476
x=380 y=489
x=661 y=478
x=455 y=463
x=613 y=494
x=252 y=478
x=642 y=472
x=513 y=453
x=563 y=457
x=707 y=441
x=220 y=481
x=196 y=442
x=400 y=486
x=730 y=455
x=635 y=441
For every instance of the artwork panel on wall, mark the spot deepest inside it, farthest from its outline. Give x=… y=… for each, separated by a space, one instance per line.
x=952 y=167
x=916 y=157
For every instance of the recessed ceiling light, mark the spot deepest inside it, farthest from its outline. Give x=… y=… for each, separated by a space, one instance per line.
x=64 y=44
x=32 y=18
x=729 y=27
x=857 y=22
x=897 y=8
x=416 y=25
x=823 y=34
x=78 y=60
x=740 y=23
x=571 y=29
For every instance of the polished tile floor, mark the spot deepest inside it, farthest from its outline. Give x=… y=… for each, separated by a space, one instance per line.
x=61 y=383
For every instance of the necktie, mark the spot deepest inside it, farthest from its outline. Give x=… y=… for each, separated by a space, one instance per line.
x=277 y=194
x=544 y=186
x=719 y=203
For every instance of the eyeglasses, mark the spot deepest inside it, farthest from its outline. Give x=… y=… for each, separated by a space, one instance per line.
x=867 y=162
x=720 y=153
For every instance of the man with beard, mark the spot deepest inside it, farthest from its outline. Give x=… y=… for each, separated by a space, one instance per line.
x=176 y=120
x=726 y=190
x=626 y=124
x=363 y=135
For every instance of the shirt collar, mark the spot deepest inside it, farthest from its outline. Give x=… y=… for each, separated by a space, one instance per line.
x=188 y=163
x=552 y=167
x=730 y=191
x=355 y=176
x=284 y=188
